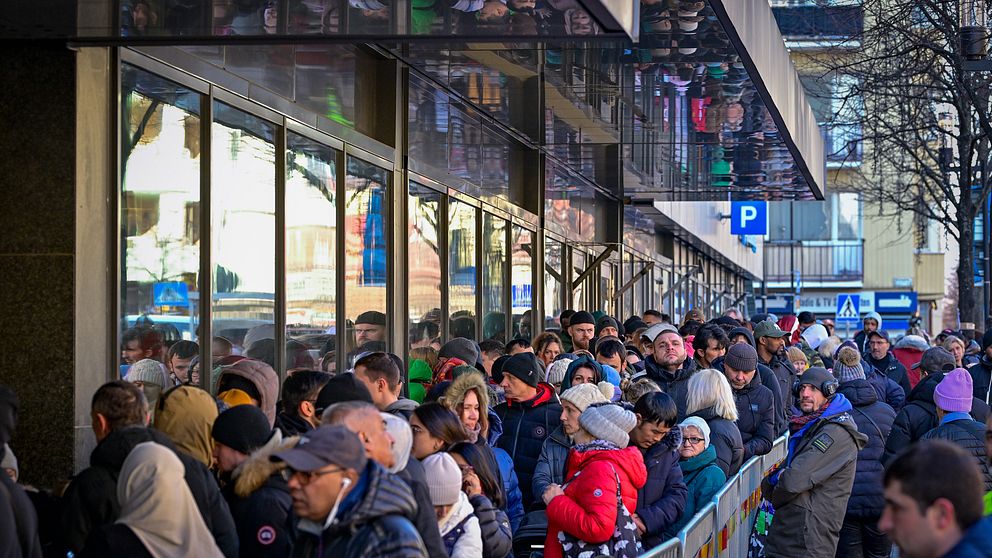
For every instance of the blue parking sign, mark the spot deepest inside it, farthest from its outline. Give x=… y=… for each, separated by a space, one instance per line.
x=749 y=217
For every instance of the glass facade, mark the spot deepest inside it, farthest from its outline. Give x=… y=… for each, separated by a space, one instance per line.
x=494 y=277
x=462 y=279
x=522 y=282
x=424 y=265
x=554 y=254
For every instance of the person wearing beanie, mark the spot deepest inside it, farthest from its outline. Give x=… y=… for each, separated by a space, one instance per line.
x=581 y=330
x=343 y=387
x=755 y=402
x=552 y=461
x=818 y=472
x=370 y=327
x=8 y=464
x=252 y=485
x=606 y=326
x=556 y=372
x=697 y=460
x=767 y=377
x=529 y=415
x=586 y=508
x=874 y=418
x=880 y=357
x=456 y=519
x=151 y=377
x=850 y=364
x=953 y=399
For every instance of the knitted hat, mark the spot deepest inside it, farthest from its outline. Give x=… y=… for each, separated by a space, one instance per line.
x=9 y=461
x=742 y=357
x=444 y=478
x=606 y=421
x=633 y=324
x=742 y=331
x=234 y=397
x=399 y=431
x=605 y=322
x=700 y=424
x=581 y=317
x=244 y=428
x=523 y=366
x=954 y=392
x=460 y=348
x=847 y=365
x=343 y=387
x=148 y=371
x=556 y=372
x=584 y=395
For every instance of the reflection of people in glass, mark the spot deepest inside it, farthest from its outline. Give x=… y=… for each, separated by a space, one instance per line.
x=462 y=325
x=494 y=326
x=423 y=333
x=578 y=22
x=370 y=326
x=270 y=17
x=140 y=343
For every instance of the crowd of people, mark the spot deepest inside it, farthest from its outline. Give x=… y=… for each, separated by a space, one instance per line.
x=599 y=437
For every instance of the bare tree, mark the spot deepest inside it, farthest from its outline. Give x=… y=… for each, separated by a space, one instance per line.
x=925 y=121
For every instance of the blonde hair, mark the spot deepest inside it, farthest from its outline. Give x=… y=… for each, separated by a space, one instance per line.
x=795 y=353
x=952 y=339
x=426 y=354
x=710 y=388
x=829 y=345
x=635 y=390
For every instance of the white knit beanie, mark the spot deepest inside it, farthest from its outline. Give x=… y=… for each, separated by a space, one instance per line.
x=148 y=371
x=610 y=422
x=444 y=479
x=556 y=372
x=584 y=395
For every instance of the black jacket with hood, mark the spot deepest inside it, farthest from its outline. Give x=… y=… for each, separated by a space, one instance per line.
x=261 y=505
x=526 y=424
x=725 y=439
x=90 y=501
x=755 y=417
x=874 y=419
x=661 y=501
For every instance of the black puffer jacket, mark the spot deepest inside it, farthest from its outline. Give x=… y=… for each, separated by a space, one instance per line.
x=981 y=377
x=661 y=501
x=91 y=498
x=675 y=385
x=725 y=439
x=779 y=411
x=891 y=367
x=785 y=375
x=967 y=434
x=497 y=540
x=874 y=419
x=377 y=526
x=919 y=416
x=526 y=424
x=18 y=519
x=261 y=505
x=886 y=388
x=755 y=418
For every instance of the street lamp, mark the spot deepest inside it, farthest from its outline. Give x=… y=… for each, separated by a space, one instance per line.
x=974 y=33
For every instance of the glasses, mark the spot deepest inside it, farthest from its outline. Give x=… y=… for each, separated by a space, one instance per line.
x=692 y=441
x=306 y=477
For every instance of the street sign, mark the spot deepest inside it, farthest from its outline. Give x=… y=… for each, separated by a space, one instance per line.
x=896 y=303
x=848 y=308
x=749 y=217
x=174 y=293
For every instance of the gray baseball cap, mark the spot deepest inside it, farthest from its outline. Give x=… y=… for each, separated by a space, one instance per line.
x=655 y=330
x=325 y=446
x=936 y=359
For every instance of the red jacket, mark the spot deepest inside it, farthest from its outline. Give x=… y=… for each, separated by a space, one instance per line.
x=588 y=509
x=909 y=356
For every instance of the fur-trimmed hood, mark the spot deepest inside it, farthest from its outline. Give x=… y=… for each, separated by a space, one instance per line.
x=255 y=472
x=455 y=393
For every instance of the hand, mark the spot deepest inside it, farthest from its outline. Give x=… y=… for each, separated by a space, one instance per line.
x=471 y=484
x=550 y=492
x=641 y=529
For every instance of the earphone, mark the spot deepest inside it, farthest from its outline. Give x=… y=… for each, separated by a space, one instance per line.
x=345 y=483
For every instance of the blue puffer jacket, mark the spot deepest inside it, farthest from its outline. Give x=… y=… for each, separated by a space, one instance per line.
x=661 y=501
x=874 y=419
x=887 y=389
x=976 y=543
x=511 y=488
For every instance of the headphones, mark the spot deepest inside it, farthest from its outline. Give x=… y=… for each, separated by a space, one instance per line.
x=828 y=388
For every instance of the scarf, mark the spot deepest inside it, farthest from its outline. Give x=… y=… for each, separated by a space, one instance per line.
x=797 y=422
x=596 y=445
x=473 y=435
x=158 y=507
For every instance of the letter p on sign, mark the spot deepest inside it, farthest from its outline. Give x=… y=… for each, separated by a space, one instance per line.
x=749 y=218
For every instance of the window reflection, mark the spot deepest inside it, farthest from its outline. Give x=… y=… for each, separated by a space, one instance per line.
x=242 y=199
x=606 y=286
x=311 y=252
x=493 y=278
x=553 y=253
x=424 y=271
x=160 y=212
x=461 y=268
x=579 y=292
x=522 y=282
x=366 y=196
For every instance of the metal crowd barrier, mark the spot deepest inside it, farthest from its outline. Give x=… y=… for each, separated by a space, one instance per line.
x=722 y=529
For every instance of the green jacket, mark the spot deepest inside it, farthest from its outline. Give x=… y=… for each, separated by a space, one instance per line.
x=703 y=479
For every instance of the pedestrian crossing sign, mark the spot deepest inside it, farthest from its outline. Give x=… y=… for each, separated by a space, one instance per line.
x=848 y=308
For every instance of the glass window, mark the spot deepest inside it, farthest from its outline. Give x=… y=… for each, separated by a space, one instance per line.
x=365 y=199
x=553 y=253
x=606 y=287
x=311 y=252
x=579 y=292
x=424 y=271
x=160 y=211
x=522 y=282
x=493 y=278
x=242 y=207
x=461 y=268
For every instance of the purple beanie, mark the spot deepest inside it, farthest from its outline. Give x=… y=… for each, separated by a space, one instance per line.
x=954 y=392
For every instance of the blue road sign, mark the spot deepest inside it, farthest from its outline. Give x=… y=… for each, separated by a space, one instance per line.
x=905 y=302
x=749 y=217
x=849 y=308
x=174 y=293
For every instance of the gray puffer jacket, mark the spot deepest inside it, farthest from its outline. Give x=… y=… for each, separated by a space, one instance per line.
x=551 y=464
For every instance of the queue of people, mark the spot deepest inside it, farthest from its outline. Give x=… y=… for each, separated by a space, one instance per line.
x=599 y=438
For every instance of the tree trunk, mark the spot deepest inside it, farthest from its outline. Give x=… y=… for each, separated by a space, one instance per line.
x=968 y=307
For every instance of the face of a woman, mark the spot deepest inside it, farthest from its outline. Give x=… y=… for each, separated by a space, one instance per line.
x=692 y=442
x=551 y=350
x=582 y=376
x=470 y=410
x=957 y=349
x=424 y=443
x=800 y=365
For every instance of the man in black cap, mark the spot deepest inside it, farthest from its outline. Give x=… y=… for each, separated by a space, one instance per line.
x=581 y=330
x=981 y=371
x=370 y=326
x=252 y=486
x=881 y=359
x=529 y=415
x=755 y=403
x=919 y=416
x=347 y=506
x=606 y=326
x=769 y=342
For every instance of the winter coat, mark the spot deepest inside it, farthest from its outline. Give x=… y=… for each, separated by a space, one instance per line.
x=425 y=519
x=588 y=508
x=703 y=479
x=755 y=418
x=263 y=377
x=460 y=530
x=377 y=526
x=90 y=500
x=662 y=500
x=968 y=435
x=260 y=504
x=18 y=521
x=874 y=419
x=811 y=489
x=497 y=536
x=552 y=463
x=976 y=542
x=893 y=369
x=768 y=379
x=292 y=425
x=908 y=351
x=919 y=416
x=402 y=408
x=981 y=379
x=113 y=540
x=887 y=389
x=725 y=439
x=526 y=424
x=785 y=375
x=675 y=385
x=186 y=415
x=514 y=506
